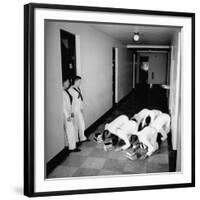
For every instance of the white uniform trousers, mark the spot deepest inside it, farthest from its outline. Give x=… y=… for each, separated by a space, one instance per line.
x=148 y=136
x=70 y=138
x=79 y=125
x=125 y=131
x=162 y=124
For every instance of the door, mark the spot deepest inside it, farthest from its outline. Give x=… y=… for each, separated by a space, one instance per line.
x=157 y=68
x=68 y=54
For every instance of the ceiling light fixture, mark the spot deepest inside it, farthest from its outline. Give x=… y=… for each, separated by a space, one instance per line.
x=136 y=36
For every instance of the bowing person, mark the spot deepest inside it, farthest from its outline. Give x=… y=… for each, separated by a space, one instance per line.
x=120 y=129
x=146 y=117
x=162 y=125
x=149 y=135
x=77 y=110
x=68 y=124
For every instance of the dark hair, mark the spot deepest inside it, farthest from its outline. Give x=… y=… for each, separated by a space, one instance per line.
x=134 y=119
x=140 y=126
x=68 y=79
x=75 y=78
x=105 y=134
x=133 y=139
x=114 y=139
x=121 y=142
x=148 y=120
x=158 y=139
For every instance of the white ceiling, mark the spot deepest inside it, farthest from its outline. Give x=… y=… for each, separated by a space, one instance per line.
x=150 y=35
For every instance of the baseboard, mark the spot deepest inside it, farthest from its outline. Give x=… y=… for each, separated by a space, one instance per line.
x=172 y=160
x=172 y=154
x=99 y=121
x=125 y=98
x=56 y=160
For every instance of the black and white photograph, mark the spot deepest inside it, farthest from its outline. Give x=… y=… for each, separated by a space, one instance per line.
x=113 y=99
x=126 y=69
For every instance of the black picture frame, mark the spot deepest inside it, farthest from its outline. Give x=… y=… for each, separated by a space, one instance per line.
x=29 y=96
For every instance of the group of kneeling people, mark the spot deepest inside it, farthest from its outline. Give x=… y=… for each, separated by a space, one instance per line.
x=145 y=130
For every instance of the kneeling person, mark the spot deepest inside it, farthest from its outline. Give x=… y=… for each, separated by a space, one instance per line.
x=118 y=130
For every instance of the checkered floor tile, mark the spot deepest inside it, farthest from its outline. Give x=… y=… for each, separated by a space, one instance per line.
x=92 y=160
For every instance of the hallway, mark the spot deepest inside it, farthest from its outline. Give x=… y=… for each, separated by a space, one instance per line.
x=92 y=160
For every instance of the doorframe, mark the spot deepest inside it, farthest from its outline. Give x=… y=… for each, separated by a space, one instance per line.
x=70 y=33
x=134 y=69
x=115 y=76
x=78 y=54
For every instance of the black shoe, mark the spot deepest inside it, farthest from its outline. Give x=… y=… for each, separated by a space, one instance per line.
x=76 y=150
x=78 y=144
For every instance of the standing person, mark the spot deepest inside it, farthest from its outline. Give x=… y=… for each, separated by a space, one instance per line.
x=77 y=110
x=68 y=124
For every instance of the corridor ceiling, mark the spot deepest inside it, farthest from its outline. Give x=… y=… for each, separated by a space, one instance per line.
x=150 y=35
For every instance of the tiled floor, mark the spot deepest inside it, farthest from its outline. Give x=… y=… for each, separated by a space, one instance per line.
x=92 y=160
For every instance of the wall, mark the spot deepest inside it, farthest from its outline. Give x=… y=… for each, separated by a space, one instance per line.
x=125 y=72
x=174 y=90
x=158 y=66
x=175 y=96
x=96 y=71
x=54 y=139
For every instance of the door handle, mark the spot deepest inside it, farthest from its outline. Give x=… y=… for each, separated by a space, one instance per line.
x=152 y=75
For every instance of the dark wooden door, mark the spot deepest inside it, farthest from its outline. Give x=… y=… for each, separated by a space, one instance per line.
x=68 y=54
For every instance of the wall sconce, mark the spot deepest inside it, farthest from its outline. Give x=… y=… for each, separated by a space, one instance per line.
x=136 y=36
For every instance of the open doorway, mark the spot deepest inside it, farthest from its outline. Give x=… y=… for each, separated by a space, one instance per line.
x=68 y=54
x=143 y=70
x=151 y=68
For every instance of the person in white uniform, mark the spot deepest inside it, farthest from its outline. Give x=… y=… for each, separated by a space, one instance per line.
x=146 y=117
x=70 y=139
x=77 y=110
x=148 y=137
x=162 y=125
x=116 y=123
x=120 y=129
x=140 y=115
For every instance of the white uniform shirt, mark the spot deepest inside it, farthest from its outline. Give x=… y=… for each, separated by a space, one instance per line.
x=67 y=108
x=141 y=116
x=123 y=128
x=162 y=124
x=148 y=137
x=77 y=103
x=116 y=123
